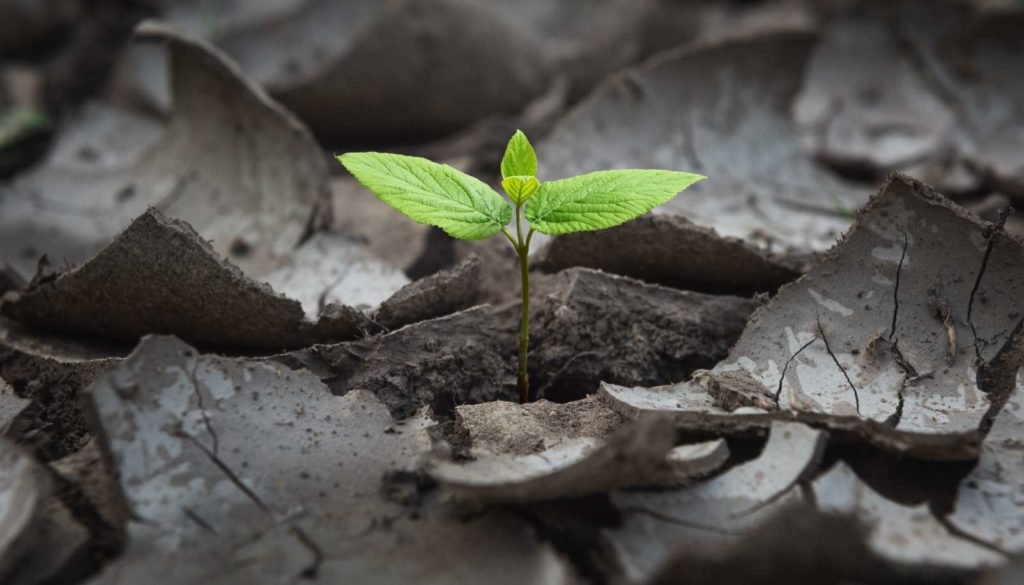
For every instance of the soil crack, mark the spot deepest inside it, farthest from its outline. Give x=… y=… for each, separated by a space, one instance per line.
x=989 y=235
x=828 y=348
x=782 y=378
x=300 y=535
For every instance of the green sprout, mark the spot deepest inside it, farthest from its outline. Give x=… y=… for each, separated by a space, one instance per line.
x=467 y=209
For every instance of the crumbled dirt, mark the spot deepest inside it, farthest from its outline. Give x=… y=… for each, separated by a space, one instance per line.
x=523 y=429
x=441 y=363
x=50 y=373
x=599 y=327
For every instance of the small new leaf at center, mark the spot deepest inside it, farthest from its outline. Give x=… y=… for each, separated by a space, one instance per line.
x=519 y=189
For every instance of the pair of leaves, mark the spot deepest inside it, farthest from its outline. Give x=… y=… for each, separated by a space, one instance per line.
x=466 y=208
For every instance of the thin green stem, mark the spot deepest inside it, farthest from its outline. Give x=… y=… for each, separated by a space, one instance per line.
x=510 y=238
x=523 y=250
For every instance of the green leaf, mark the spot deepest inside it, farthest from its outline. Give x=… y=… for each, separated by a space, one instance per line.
x=519 y=159
x=603 y=199
x=519 y=189
x=463 y=206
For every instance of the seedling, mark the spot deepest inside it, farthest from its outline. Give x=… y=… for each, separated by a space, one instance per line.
x=467 y=209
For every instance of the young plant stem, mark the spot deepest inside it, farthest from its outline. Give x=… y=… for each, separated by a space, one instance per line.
x=522 y=247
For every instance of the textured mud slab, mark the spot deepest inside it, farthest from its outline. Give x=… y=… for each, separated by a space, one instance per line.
x=671 y=251
x=440 y=363
x=703 y=411
x=438 y=294
x=718 y=511
x=909 y=321
x=908 y=535
x=722 y=110
x=463 y=59
x=599 y=327
x=931 y=89
x=160 y=276
x=990 y=505
x=228 y=160
x=209 y=503
x=545 y=451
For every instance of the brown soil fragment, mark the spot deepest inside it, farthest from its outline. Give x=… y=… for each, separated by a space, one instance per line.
x=649 y=249
x=521 y=429
x=441 y=363
x=543 y=451
x=439 y=294
x=160 y=276
x=818 y=548
x=598 y=327
x=50 y=372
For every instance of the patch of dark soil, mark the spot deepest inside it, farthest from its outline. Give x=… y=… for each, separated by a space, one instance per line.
x=440 y=363
x=160 y=276
x=599 y=327
x=53 y=426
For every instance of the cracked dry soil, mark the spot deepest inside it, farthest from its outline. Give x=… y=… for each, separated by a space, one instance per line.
x=216 y=366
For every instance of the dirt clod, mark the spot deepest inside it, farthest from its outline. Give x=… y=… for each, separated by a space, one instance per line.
x=599 y=327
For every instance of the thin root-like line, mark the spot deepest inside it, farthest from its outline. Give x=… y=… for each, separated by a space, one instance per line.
x=193 y=516
x=896 y=289
x=990 y=236
x=828 y=348
x=300 y=535
x=778 y=391
x=202 y=409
